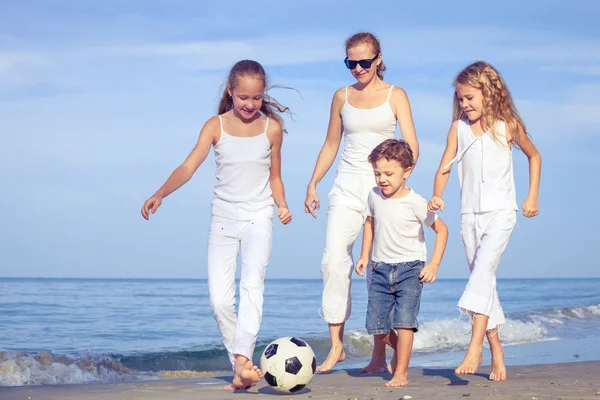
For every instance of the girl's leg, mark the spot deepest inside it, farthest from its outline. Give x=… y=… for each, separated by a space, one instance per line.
x=485 y=237
x=473 y=358
x=256 y=251
x=222 y=253
x=498 y=368
x=343 y=227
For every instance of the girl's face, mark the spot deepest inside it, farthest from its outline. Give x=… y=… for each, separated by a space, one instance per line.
x=364 y=53
x=470 y=100
x=247 y=96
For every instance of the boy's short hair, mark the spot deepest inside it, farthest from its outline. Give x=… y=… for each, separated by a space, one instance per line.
x=393 y=149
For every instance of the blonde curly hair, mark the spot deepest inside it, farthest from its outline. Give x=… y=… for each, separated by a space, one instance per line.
x=498 y=104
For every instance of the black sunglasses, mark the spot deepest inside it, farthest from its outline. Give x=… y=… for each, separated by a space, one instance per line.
x=364 y=64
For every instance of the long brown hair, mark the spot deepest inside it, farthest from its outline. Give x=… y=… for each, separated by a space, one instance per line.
x=498 y=104
x=369 y=39
x=270 y=107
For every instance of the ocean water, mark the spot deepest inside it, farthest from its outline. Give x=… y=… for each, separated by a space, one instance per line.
x=55 y=331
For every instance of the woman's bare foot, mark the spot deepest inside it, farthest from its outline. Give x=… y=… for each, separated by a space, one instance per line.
x=391 y=367
x=336 y=354
x=498 y=367
x=471 y=362
x=398 y=380
x=246 y=376
x=374 y=367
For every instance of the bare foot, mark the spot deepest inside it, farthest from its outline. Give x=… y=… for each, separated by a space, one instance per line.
x=471 y=362
x=391 y=367
x=337 y=354
x=498 y=367
x=374 y=367
x=398 y=380
x=245 y=377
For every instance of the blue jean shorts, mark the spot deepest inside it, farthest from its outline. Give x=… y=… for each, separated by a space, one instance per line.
x=394 y=287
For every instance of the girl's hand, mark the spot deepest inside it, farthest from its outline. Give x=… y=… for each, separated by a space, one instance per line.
x=151 y=205
x=311 y=202
x=530 y=207
x=284 y=214
x=361 y=265
x=436 y=203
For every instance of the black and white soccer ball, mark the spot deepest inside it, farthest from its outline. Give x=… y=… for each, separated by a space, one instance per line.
x=288 y=364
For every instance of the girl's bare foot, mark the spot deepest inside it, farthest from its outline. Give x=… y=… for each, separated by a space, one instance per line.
x=471 y=362
x=498 y=367
x=246 y=376
x=398 y=380
x=336 y=354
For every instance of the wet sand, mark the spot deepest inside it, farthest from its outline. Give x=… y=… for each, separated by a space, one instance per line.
x=579 y=380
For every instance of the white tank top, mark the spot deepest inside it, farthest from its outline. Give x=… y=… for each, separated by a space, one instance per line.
x=364 y=129
x=485 y=171
x=243 y=190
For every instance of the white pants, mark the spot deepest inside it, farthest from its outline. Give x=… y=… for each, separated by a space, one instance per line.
x=343 y=226
x=226 y=236
x=485 y=236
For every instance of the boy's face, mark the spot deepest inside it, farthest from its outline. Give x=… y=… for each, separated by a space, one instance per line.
x=390 y=176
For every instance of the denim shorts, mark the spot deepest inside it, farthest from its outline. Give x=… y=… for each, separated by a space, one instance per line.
x=394 y=287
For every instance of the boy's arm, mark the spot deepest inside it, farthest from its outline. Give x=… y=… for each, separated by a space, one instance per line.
x=429 y=273
x=365 y=251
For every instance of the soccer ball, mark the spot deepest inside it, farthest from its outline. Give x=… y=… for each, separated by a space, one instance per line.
x=288 y=364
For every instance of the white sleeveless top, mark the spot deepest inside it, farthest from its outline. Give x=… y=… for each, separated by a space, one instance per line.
x=364 y=129
x=485 y=171
x=243 y=190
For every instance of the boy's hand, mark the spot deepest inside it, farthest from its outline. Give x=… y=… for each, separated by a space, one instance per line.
x=530 y=207
x=361 y=265
x=284 y=214
x=429 y=273
x=436 y=203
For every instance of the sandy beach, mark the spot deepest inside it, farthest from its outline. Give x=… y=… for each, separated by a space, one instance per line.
x=579 y=380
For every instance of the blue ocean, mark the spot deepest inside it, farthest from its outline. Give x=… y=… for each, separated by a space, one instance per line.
x=58 y=331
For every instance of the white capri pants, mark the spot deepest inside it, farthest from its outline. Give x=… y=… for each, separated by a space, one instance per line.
x=226 y=237
x=485 y=236
x=345 y=219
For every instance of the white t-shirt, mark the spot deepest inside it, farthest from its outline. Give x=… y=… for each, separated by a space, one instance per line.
x=398 y=233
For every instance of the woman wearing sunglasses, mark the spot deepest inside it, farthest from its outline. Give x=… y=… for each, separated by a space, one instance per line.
x=365 y=113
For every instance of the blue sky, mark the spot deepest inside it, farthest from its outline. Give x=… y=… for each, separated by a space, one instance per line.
x=101 y=100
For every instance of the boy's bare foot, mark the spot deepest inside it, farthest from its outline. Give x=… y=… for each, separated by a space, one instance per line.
x=336 y=354
x=471 y=362
x=398 y=380
x=246 y=376
x=374 y=367
x=391 y=367
x=498 y=367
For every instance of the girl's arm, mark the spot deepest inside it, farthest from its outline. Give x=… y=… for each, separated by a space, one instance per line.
x=367 y=242
x=328 y=151
x=405 y=120
x=183 y=173
x=442 y=174
x=278 y=191
x=530 y=205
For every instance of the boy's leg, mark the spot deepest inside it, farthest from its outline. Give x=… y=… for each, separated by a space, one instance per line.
x=403 y=349
x=407 y=289
x=379 y=306
x=256 y=251
x=222 y=253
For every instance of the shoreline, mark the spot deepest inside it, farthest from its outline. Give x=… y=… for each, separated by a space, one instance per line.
x=573 y=380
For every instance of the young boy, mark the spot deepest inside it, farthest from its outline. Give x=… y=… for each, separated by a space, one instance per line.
x=394 y=228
